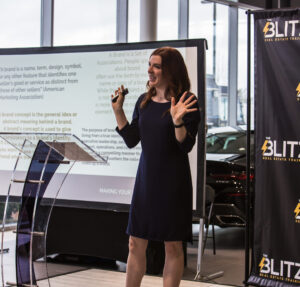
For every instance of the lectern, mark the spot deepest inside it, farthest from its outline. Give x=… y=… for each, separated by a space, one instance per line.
x=42 y=164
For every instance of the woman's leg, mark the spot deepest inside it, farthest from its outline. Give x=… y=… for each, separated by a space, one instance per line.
x=174 y=263
x=136 y=262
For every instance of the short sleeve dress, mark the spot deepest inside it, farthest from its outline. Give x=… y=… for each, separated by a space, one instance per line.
x=161 y=206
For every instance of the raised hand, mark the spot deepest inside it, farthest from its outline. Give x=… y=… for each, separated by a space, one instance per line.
x=118 y=99
x=182 y=107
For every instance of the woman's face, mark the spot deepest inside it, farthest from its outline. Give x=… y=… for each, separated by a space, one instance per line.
x=156 y=78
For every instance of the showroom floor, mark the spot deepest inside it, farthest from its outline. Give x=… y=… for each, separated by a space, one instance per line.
x=229 y=258
x=107 y=278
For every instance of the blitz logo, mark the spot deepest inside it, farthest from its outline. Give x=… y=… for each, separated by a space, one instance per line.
x=281 y=29
x=297 y=211
x=281 y=148
x=282 y=268
x=298 y=92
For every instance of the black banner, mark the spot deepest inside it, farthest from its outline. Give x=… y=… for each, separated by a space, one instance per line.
x=276 y=250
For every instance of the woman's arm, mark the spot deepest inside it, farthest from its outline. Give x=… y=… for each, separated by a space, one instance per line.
x=178 y=111
x=129 y=132
x=118 y=108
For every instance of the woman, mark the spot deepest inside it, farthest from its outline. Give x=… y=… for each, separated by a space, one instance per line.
x=165 y=120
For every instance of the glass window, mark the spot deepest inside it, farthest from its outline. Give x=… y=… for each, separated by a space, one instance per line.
x=20 y=23
x=80 y=22
x=242 y=70
x=221 y=61
x=232 y=143
x=201 y=25
x=222 y=45
x=210 y=21
x=167 y=20
x=134 y=21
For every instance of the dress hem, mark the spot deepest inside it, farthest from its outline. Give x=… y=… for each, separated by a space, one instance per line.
x=158 y=239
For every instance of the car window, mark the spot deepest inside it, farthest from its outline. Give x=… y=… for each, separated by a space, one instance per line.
x=229 y=142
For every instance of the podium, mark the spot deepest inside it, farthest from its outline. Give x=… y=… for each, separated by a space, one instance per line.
x=40 y=163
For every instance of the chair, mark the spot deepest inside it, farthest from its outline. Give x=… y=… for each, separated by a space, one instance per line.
x=209 y=206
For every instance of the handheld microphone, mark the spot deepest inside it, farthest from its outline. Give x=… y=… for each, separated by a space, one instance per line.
x=124 y=93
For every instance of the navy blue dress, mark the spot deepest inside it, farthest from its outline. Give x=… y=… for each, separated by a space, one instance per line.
x=161 y=206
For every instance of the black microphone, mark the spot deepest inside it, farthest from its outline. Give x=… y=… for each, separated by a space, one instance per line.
x=124 y=93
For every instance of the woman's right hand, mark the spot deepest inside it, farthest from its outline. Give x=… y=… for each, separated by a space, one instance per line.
x=118 y=108
x=118 y=104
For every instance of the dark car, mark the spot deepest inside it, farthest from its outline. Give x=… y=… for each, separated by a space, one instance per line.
x=226 y=174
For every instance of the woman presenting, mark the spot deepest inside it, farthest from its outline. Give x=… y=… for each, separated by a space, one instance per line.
x=165 y=120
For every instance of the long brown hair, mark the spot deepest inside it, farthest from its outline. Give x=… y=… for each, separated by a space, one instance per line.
x=174 y=71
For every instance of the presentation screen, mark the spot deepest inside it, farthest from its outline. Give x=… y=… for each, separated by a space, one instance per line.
x=68 y=90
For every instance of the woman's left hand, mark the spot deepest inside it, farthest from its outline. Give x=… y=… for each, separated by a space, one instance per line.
x=182 y=107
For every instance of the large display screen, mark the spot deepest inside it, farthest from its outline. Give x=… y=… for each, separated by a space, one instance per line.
x=68 y=90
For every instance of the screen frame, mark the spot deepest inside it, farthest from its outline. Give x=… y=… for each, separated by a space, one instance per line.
x=201 y=46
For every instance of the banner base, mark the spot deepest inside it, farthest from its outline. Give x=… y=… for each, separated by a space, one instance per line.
x=258 y=281
x=208 y=277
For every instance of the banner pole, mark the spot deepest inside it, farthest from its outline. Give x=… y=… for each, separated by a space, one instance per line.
x=247 y=229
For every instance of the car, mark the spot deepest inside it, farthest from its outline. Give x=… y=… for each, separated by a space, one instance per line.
x=226 y=174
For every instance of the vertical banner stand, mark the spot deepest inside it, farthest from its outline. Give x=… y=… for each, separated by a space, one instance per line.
x=202 y=185
x=199 y=276
x=275 y=223
x=248 y=195
x=200 y=247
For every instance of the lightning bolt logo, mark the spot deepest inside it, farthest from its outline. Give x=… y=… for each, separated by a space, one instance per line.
x=298 y=90
x=264 y=147
x=262 y=263
x=297 y=210
x=266 y=28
